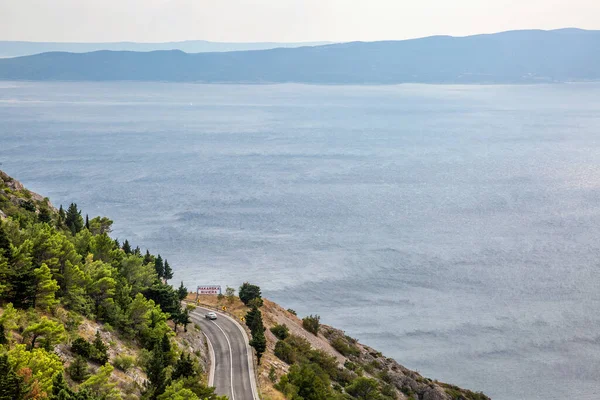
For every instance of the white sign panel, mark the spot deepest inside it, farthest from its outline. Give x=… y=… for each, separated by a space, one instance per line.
x=209 y=289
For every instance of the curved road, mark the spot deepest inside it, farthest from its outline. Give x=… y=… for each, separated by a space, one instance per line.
x=232 y=368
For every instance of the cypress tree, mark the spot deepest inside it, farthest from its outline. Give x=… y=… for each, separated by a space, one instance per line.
x=259 y=342
x=159 y=267
x=137 y=251
x=165 y=344
x=168 y=274
x=254 y=320
x=3 y=339
x=182 y=292
x=184 y=319
x=87 y=222
x=147 y=257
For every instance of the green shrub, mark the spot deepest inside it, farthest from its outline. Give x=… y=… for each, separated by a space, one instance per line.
x=344 y=348
x=143 y=358
x=385 y=376
x=301 y=345
x=311 y=323
x=272 y=375
x=350 y=365
x=292 y=311
x=285 y=352
x=256 y=303
x=280 y=331
x=363 y=387
x=124 y=363
x=388 y=390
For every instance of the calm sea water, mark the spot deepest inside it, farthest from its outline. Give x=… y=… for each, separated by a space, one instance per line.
x=454 y=228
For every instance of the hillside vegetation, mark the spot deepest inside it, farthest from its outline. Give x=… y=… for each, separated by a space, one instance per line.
x=84 y=316
x=302 y=359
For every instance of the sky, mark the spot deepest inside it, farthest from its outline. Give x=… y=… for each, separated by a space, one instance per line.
x=281 y=20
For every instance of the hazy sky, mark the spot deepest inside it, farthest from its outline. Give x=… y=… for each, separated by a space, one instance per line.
x=281 y=20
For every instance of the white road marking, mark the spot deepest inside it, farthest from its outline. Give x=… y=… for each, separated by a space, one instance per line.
x=249 y=353
x=230 y=359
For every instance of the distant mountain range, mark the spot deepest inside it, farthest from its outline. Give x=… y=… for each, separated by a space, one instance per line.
x=508 y=57
x=19 y=49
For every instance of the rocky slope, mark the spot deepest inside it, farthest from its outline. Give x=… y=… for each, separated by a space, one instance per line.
x=352 y=357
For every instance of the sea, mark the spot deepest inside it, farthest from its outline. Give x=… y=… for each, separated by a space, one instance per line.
x=453 y=228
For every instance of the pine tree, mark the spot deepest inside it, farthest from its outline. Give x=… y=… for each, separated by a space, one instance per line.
x=249 y=292
x=44 y=215
x=156 y=373
x=4 y=243
x=78 y=370
x=117 y=244
x=126 y=247
x=100 y=350
x=21 y=277
x=137 y=251
x=46 y=288
x=184 y=367
x=10 y=383
x=159 y=267
x=60 y=390
x=50 y=331
x=168 y=274
x=73 y=219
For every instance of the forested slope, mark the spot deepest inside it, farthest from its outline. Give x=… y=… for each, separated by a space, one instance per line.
x=62 y=277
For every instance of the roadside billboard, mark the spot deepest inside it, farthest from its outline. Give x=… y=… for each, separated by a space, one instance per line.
x=209 y=289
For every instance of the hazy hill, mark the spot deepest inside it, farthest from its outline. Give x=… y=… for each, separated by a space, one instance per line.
x=18 y=49
x=508 y=57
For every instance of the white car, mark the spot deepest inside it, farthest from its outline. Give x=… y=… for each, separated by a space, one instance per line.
x=210 y=315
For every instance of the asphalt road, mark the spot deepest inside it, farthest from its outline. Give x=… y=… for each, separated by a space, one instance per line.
x=233 y=373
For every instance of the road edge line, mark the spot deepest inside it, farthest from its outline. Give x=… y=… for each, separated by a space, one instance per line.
x=213 y=359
